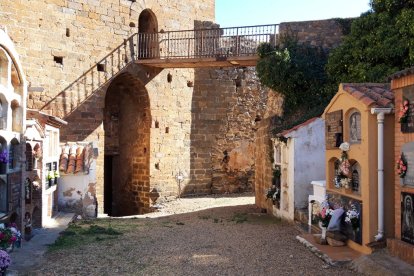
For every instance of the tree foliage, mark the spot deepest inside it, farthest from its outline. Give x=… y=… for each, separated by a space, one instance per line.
x=380 y=43
x=377 y=44
x=297 y=71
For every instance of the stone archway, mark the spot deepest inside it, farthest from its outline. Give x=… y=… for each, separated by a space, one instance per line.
x=127 y=123
x=148 y=35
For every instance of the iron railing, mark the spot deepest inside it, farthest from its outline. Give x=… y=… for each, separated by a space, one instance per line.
x=202 y=43
x=219 y=43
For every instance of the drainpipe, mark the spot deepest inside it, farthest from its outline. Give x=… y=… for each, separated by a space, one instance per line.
x=380 y=112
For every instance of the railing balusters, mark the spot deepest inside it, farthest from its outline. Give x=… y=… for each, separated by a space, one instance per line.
x=238 y=41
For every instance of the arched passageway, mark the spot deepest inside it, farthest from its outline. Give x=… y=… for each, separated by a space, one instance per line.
x=127 y=123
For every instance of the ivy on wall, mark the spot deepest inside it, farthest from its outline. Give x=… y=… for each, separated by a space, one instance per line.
x=296 y=71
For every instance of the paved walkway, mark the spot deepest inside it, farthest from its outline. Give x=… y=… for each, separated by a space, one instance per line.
x=30 y=254
x=378 y=263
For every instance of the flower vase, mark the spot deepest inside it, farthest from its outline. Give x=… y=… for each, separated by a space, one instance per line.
x=323 y=234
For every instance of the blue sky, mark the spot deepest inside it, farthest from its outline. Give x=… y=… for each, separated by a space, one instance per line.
x=231 y=13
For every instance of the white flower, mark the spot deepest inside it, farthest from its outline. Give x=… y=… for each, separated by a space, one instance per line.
x=344 y=146
x=2 y=226
x=347 y=219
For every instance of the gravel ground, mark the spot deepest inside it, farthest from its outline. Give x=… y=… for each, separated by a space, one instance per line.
x=185 y=238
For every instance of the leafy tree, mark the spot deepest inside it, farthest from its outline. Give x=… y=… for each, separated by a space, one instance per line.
x=297 y=71
x=380 y=43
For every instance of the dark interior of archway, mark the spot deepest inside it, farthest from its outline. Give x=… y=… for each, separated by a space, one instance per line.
x=148 y=38
x=127 y=123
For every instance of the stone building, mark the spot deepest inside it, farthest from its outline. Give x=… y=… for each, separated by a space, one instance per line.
x=13 y=90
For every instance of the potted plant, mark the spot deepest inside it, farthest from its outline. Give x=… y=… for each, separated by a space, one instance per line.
x=324 y=216
x=51 y=178
x=402 y=167
x=5 y=261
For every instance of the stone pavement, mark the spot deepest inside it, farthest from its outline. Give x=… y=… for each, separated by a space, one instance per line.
x=378 y=263
x=30 y=254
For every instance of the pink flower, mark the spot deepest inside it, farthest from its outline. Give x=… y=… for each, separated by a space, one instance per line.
x=323 y=213
x=1 y=236
x=12 y=239
x=405 y=102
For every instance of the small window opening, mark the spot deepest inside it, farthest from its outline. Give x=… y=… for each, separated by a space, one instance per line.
x=58 y=60
x=167 y=130
x=101 y=67
x=67 y=32
x=157 y=124
x=169 y=77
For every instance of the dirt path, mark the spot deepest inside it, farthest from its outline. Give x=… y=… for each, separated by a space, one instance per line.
x=232 y=240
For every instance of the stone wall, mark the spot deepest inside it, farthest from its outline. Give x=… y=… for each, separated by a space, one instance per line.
x=322 y=33
x=82 y=32
x=264 y=152
x=226 y=106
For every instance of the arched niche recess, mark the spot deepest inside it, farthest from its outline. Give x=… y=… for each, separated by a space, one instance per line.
x=17 y=116
x=14 y=154
x=354 y=127
x=3 y=111
x=4 y=155
x=333 y=166
x=7 y=65
x=3 y=196
x=29 y=157
x=4 y=67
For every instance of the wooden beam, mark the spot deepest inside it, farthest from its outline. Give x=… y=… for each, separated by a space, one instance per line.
x=200 y=62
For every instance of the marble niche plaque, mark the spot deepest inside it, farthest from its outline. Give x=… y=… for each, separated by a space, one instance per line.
x=407 y=218
x=333 y=129
x=408 y=152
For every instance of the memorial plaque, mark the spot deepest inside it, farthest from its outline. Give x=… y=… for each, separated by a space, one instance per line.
x=333 y=129
x=355 y=128
x=408 y=152
x=408 y=94
x=407 y=218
